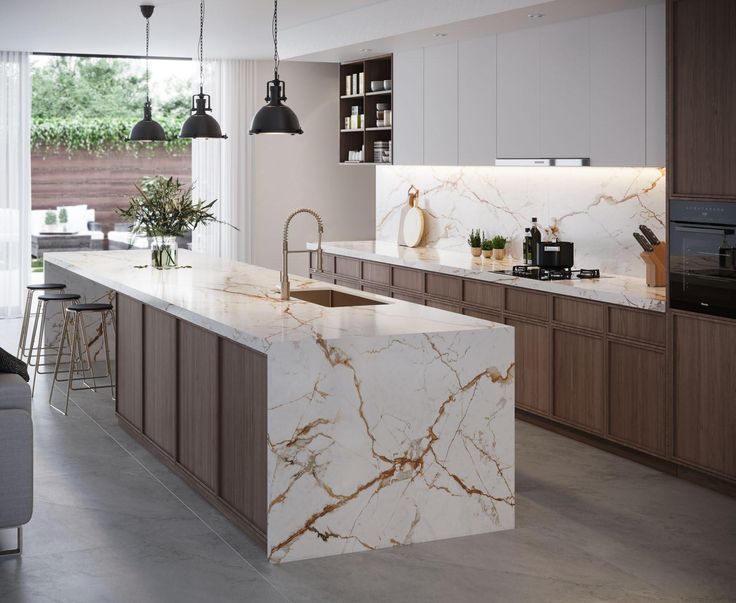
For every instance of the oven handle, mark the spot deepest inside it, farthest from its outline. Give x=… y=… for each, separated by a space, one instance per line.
x=695 y=228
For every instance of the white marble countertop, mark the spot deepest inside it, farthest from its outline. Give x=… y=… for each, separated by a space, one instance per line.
x=241 y=301
x=623 y=290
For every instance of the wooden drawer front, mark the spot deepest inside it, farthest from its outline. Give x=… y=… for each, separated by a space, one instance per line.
x=347 y=267
x=328 y=262
x=649 y=327
x=439 y=285
x=579 y=314
x=345 y=282
x=483 y=294
x=527 y=303
x=376 y=290
x=377 y=273
x=493 y=317
x=415 y=299
x=413 y=280
x=442 y=306
x=532 y=366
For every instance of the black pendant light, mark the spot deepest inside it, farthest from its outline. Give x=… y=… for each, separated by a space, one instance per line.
x=199 y=124
x=275 y=117
x=147 y=130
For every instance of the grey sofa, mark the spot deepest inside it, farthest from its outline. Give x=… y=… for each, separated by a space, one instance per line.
x=16 y=456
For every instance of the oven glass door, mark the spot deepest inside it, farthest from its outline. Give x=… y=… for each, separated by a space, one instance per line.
x=703 y=268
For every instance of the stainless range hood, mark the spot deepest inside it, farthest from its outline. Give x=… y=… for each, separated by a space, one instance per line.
x=549 y=162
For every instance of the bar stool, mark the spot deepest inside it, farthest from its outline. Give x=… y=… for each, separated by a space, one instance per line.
x=73 y=317
x=22 y=349
x=38 y=346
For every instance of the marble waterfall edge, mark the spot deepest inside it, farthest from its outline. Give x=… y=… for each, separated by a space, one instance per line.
x=596 y=208
x=390 y=441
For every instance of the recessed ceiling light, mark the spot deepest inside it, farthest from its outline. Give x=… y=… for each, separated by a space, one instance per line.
x=440 y=34
x=535 y=15
x=366 y=50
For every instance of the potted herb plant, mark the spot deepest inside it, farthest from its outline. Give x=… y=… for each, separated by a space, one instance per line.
x=163 y=210
x=50 y=221
x=499 y=247
x=474 y=242
x=486 y=247
x=63 y=218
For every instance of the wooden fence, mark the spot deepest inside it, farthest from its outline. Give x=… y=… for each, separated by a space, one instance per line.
x=102 y=182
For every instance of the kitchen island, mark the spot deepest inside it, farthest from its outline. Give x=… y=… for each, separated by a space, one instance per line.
x=318 y=430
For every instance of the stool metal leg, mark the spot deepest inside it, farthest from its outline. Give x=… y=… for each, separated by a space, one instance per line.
x=38 y=348
x=64 y=336
x=107 y=353
x=35 y=328
x=75 y=344
x=24 y=325
x=93 y=387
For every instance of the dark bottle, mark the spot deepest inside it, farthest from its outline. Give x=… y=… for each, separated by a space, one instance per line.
x=535 y=237
x=526 y=248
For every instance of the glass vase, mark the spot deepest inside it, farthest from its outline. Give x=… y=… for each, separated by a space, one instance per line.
x=164 y=252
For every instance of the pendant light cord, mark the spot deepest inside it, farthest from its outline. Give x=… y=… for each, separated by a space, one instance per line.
x=148 y=25
x=275 y=34
x=200 y=47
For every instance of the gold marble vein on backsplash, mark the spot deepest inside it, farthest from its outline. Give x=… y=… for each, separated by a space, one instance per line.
x=596 y=208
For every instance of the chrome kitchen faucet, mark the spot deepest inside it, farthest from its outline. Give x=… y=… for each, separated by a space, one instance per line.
x=285 y=288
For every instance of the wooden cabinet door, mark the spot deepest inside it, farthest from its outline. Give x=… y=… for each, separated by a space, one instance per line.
x=705 y=393
x=440 y=105
x=532 y=365
x=702 y=144
x=408 y=107
x=637 y=394
x=159 y=378
x=578 y=377
x=129 y=360
x=477 y=101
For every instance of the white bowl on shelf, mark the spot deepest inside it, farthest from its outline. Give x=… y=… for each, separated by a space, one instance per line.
x=377 y=85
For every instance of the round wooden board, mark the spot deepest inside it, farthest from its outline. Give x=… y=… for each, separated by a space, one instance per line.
x=413 y=227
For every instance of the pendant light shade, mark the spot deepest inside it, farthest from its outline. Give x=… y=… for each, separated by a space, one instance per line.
x=275 y=117
x=199 y=124
x=147 y=130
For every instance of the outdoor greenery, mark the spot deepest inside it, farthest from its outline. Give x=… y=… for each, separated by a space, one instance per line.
x=85 y=103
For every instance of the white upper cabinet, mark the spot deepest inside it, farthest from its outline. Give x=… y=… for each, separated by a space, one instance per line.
x=618 y=88
x=518 y=125
x=656 y=84
x=565 y=89
x=408 y=107
x=440 y=105
x=477 y=101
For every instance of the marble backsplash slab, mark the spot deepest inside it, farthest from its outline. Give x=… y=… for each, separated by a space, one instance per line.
x=596 y=208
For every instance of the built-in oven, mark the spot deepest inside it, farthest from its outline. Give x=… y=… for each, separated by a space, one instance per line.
x=702 y=246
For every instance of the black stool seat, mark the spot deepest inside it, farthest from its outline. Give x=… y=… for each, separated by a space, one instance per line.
x=89 y=307
x=59 y=297
x=46 y=286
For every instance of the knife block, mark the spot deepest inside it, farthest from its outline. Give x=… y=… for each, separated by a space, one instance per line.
x=656 y=262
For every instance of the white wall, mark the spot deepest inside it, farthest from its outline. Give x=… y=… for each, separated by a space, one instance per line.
x=303 y=171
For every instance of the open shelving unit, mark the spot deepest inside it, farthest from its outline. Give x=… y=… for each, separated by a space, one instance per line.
x=375 y=68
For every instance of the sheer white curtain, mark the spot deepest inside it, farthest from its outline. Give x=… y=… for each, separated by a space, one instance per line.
x=222 y=169
x=15 y=180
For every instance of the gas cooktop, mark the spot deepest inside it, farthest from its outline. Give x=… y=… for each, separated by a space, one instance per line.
x=550 y=274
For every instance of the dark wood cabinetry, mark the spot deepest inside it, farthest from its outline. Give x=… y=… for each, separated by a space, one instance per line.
x=532 y=365
x=702 y=91
x=705 y=393
x=199 y=401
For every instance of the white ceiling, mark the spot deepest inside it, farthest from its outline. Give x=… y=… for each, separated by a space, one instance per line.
x=322 y=30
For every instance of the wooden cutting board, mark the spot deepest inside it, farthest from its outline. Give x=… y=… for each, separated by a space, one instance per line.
x=413 y=226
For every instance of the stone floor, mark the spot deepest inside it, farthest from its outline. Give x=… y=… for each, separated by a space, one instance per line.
x=111 y=523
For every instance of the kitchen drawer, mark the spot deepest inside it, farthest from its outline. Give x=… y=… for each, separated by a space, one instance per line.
x=492 y=316
x=527 y=303
x=407 y=297
x=443 y=306
x=375 y=289
x=405 y=278
x=346 y=282
x=347 y=267
x=439 y=285
x=578 y=313
x=649 y=327
x=377 y=273
x=483 y=294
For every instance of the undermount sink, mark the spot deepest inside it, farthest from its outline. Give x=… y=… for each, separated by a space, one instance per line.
x=334 y=299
